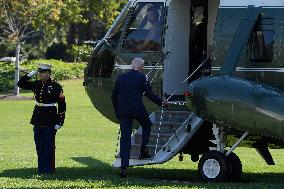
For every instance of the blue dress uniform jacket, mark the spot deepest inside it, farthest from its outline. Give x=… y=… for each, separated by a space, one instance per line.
x=46 y=92
x=127 y=94
x=45 y=118
x=127 y=101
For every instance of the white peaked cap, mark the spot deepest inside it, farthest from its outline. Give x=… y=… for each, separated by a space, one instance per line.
x=44 y=66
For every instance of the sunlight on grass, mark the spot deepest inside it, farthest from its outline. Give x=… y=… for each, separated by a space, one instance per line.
x=85 y=151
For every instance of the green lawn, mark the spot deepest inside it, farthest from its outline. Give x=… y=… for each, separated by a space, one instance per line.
x=85 y=151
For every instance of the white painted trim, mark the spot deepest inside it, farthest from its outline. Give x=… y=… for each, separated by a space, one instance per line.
x=257 y=3
x=244 y=7
x=128 y=67
x=150 y=1
x=270 y=114
x=212 y=18
x=244 y=69
x=177 y=43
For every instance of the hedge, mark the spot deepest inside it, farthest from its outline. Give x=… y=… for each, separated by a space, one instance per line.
x=60 y=71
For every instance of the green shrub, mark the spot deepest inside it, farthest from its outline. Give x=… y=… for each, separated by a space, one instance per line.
x=6 y=76
x=7 y=49
x=80 y=53
x=60 y=71
x=73 y=53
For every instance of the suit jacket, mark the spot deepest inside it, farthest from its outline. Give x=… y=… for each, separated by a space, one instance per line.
x=127 y=94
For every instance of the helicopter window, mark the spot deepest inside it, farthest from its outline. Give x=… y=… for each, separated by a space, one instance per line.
x=144 y=31
x=262 y=43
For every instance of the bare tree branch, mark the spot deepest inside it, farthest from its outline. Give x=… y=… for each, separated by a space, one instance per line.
x=9 y=20
x=25 y=26
x=27 y=35
x=6 y=28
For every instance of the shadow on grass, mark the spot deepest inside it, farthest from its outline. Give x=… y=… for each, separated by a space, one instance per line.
x=96 y=170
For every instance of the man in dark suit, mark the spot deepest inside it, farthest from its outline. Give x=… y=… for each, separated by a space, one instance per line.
x=128 y=105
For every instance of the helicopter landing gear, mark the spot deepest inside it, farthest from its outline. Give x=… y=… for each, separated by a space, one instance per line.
x=235 y=168
x=213 y=167
x=219 y=165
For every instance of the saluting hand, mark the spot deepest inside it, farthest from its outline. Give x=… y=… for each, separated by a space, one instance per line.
x=32 y=73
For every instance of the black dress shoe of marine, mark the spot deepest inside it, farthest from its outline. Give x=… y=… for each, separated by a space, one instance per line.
x=123 y=173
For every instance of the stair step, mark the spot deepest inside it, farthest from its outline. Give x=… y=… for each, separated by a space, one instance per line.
x=168 y=145
x=169 y=123
x=172 y=116
x=135 y=150
x=165 y=128
x=174 y=112
x=163 y=139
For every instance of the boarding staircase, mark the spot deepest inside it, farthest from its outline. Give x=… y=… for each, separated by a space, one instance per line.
x=171 y=131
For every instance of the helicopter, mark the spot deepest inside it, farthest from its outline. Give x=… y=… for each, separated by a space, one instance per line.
x=220 y=65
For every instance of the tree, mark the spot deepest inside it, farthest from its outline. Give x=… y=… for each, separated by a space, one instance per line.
x=20 y=19
x=98 y=15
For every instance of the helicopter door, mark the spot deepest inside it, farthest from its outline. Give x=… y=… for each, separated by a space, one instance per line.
x=176 y=66
x=198 y=37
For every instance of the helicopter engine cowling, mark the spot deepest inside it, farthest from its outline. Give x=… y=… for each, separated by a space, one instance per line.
x=239 y=104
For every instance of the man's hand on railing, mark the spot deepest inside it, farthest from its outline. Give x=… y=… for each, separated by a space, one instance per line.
x=165 y=102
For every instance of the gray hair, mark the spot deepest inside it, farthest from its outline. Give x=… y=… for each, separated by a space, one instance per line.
x=137 y=63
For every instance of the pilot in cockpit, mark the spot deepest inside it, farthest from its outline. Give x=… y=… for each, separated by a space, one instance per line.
x=152 y=41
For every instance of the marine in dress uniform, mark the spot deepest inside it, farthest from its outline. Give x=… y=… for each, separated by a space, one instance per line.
x=128 y=105
x=46 y=118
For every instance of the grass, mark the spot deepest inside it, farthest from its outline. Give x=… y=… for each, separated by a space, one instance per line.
x=85 y=151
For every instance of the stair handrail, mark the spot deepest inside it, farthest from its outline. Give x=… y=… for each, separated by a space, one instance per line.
x=161 y=61
x=175 y=133
x=162 y=111
x=188 y=118
x=159 y=130
x=202 y=63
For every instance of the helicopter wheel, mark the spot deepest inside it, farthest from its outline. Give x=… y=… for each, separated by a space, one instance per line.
x=214 y=167
x=235 y=167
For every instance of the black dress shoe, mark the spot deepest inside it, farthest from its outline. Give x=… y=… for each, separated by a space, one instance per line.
x=123 y=173
x=144 y=154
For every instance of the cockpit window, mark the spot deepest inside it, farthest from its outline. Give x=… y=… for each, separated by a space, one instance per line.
x=262 y=41
x=144 y=32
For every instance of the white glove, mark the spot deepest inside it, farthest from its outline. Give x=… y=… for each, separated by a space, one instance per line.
x=32 y=73
x=57 y=127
